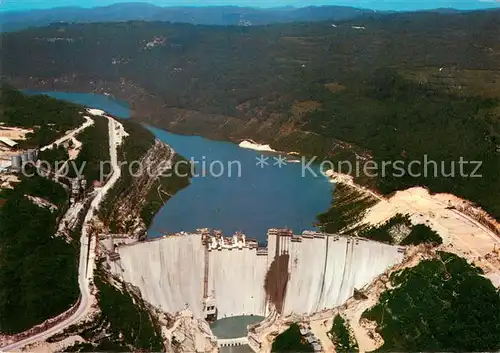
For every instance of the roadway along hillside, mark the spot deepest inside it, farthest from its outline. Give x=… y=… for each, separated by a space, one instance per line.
x=86 y=262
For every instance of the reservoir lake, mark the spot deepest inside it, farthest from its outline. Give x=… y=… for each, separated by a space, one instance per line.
x=241 y=189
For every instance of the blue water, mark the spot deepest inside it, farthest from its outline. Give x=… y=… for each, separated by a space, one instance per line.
x=234 y=327
x=117 y=108
x=246 y=197
x=259 y=199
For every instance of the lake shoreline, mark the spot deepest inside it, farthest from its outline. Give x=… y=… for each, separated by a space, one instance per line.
x=250 y=202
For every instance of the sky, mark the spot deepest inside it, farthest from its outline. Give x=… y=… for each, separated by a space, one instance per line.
x=401 y=5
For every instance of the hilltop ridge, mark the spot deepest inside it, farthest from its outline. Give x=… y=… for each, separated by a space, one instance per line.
x=393 y=87
x=206 y=15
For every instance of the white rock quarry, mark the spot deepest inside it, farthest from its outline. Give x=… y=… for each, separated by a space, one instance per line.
x=96 y=112
x=255 y=146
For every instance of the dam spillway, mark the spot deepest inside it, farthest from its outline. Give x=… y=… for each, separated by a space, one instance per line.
x=220 y=277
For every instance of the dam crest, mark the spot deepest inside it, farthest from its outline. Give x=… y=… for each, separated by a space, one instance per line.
x=219 y=277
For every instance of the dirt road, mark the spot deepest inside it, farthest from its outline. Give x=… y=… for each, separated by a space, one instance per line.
x=88 y=122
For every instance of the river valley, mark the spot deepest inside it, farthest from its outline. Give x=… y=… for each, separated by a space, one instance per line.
x=234 y=193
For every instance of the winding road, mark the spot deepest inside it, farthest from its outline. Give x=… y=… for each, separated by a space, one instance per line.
x=87 y=260
x=88 y=122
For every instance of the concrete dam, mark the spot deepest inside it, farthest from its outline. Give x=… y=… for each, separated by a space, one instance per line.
x=218 y=277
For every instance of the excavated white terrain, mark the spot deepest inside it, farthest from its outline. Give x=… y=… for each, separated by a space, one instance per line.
x=323 y=271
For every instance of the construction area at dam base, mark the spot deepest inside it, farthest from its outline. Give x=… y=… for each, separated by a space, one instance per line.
x=216 y=277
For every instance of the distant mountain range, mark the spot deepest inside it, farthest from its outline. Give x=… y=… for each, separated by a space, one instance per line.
x=217 y=15
x=393 y=86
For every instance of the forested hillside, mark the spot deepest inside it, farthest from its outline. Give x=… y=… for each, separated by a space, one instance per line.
x=395 y=87
x=125 y=317
x=35 y=265
x=458 y=312
x=211 y=15
x=48 y=117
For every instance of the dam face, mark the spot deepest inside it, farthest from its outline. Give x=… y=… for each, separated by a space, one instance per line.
x=220 y=277
x=169 y=272
x=324 y=270
x=236 y=279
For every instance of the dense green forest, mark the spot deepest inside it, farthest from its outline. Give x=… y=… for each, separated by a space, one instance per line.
x=34 y=264
x=416 y=122
x=459 y=310
x=291 y=340
x=384 y=232
x=393 y=232
x=48 y=117
x=407 y=87
x=128 y=317
x=342 y=337
x=51 y=118
x=94 y=159
x=421 y=233
x=124 y=316
x=54 y=155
